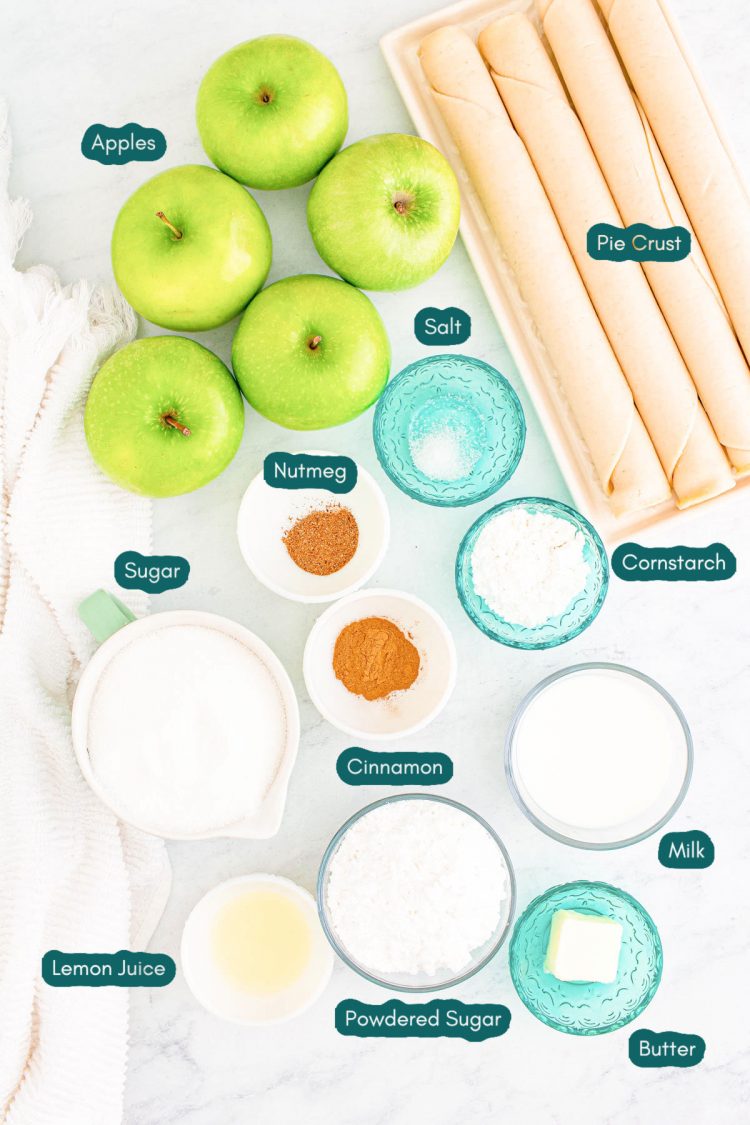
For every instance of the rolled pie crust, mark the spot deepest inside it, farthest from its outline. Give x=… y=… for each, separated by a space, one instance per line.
x=515 y=203
x=701 y=167
x=692 y=458
x=644 y=192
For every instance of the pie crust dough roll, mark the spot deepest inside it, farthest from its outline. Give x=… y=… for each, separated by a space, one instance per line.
x=644 y=192
x=706 y=179
x=518 y=209
x=664 y=393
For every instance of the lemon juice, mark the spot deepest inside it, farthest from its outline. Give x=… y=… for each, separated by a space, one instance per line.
x=262 y=941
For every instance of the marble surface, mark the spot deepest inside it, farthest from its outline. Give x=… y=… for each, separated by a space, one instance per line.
x=63 y=68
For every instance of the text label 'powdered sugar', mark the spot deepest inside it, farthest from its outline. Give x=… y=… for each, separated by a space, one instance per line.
x=450 y=1019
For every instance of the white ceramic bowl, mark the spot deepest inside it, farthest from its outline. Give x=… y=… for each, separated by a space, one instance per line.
x=404 y=712
x=267 y=513
x=216 y=994
x=267 y=820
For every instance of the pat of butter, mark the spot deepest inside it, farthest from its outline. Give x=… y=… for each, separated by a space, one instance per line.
x=583 y=947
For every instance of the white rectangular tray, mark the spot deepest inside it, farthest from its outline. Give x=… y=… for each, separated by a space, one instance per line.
x=400 y=48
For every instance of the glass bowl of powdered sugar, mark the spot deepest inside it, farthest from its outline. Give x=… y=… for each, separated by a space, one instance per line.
x=532 y=573
x=449 y=430
x=416 y=893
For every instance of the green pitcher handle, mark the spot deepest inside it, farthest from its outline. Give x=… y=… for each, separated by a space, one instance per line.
x=103 y=614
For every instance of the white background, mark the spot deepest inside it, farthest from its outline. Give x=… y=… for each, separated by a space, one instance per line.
x=65 y=66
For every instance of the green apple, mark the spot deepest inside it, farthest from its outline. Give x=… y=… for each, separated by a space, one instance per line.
x=384 y=213
x=163 y=416
x=311 y=352
x=190 y=248
x=271 y=112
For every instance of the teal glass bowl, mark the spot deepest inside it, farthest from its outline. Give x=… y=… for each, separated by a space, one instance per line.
x=583 y=1008
x=458 y=414
x=556 y=630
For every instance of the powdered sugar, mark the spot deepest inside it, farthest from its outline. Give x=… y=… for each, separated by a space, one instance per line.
x=528 y=566
x=415 y=886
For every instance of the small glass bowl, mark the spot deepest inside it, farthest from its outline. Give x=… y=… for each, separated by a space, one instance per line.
x=562 y=833
x=419 y=982
x=447 y=391
x=556 y=630
x=581 y=1008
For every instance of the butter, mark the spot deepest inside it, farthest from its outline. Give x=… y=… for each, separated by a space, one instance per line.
x=583 y=947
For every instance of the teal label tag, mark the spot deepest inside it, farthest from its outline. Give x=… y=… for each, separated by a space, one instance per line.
x=110 y=145
x=637 y=243
x=356 y=766
x=634 y=563
x=152 y=573
x=665 y=1048
x=436 y=327
x=449 y=1019
x=123 y=969
x=310 y=470
x=692 y=849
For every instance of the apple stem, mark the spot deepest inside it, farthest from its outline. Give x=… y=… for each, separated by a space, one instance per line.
x=313 y=342
x=400 y=206
x=177 y=233
x=170 y=420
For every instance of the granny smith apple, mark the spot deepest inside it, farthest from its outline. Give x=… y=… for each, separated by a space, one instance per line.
x=163 y=416
x=384 y=213
x=311 y=352
x=190 y=248
x=271 y=112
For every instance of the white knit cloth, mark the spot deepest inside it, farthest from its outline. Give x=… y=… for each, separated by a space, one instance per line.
x=71 y=876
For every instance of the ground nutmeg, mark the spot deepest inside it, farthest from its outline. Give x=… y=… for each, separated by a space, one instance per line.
x=323 y=541
x=373 y=657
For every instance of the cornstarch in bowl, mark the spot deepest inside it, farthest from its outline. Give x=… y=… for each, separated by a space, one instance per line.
x=532 y=573
x=528 y=566
x=186 y=731
x=416 y=892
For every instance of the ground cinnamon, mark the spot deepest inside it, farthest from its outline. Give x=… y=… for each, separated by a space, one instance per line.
x=323 y=541
x=373 y=658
